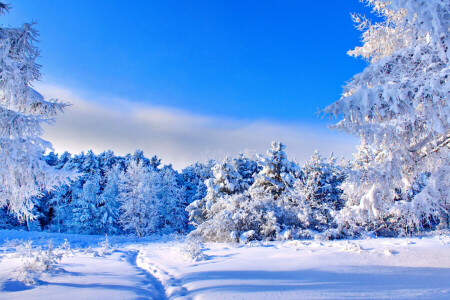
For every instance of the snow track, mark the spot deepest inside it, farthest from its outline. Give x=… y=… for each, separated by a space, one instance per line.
x=172 y=287
x=132 y=257
x=84 y=276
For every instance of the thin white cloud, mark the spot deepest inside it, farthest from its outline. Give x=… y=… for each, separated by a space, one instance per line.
x=177 y=137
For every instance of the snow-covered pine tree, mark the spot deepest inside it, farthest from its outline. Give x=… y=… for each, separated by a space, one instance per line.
x=399 y=106
x=9 y=221
x=84 y=208
x=316 y=196
x=232 y=211
x=23 y=172
x=60 y=200
x=140 y=207
x=174 y=217
x=63 y=159
x=247 y=167
x=107 y=212
x=193 y=179
x=90 y=163
x=277 y=173
x=52 y=159
x=60 y=212
x=226 y=181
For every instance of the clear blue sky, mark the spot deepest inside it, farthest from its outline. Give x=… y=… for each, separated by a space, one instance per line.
x=275 y=60
x=189 y=80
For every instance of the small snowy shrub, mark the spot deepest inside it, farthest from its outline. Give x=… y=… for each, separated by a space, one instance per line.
x=247 y=236
x=66 y=248
x=12 y=243
x=29 y=273
x=48 y=258
x=41 y=261
x=91 y=251
x=105 y=247
x=192 y=250
x=24 y=249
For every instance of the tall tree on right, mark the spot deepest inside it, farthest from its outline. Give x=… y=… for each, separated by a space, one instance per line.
x=399 y=107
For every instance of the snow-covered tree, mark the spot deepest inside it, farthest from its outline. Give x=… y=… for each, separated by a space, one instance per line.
x=23 y=173
x=247 y=167
x=107 y=212
x=60 y=212
x=315 y=198
x=277 y=174
x=193 y=179
x=140 y=206
x=240 y=218
x=84 y=208
x=60 y=201
x=234 y=211
x=9 y=221
x=226 y=181
x=399 y=107
x=173 y=206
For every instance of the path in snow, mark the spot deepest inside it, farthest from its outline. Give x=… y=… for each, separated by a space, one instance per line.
x=375 y=269
x=85 y=277
x=172 y=287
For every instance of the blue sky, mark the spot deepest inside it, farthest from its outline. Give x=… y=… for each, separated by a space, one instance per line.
x=274 y=62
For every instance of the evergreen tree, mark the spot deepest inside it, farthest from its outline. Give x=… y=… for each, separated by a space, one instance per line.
x=193 y=179
x=399 y=106
x=23 y=173
x=108 y=205
x=232 y=211
x=247 y=168
x=226 y=181
x=139 y=189
x=277 y=173
x=172 y=201
x=316 y=196
x=84 y=208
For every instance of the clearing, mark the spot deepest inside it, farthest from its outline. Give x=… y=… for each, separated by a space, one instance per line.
x=158 y=268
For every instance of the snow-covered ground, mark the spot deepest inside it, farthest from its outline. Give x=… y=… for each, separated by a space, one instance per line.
x=415 y=268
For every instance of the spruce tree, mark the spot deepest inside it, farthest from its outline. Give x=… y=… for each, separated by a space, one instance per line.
x=399 y=106
x=23 y=173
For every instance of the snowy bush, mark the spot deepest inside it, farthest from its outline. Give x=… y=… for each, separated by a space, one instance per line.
x=284 y=201
x=12 y=243
x=89 y=250
x=105 y=247
x=315 y=198
x=66 y=248
x=23 y=249
x=36 y=262
x=192 y=249
x=233 y=212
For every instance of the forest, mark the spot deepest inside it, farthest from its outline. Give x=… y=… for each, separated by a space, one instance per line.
x=397 y=183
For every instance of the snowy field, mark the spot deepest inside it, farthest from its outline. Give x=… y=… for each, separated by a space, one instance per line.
x=400 y=268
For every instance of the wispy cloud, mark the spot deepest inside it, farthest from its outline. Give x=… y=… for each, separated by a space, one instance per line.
x=177 y=137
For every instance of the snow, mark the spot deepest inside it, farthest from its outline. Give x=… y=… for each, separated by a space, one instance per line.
x=84 y=276
x=157 y=268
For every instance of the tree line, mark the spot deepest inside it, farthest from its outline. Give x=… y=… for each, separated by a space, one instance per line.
x=397 y=183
